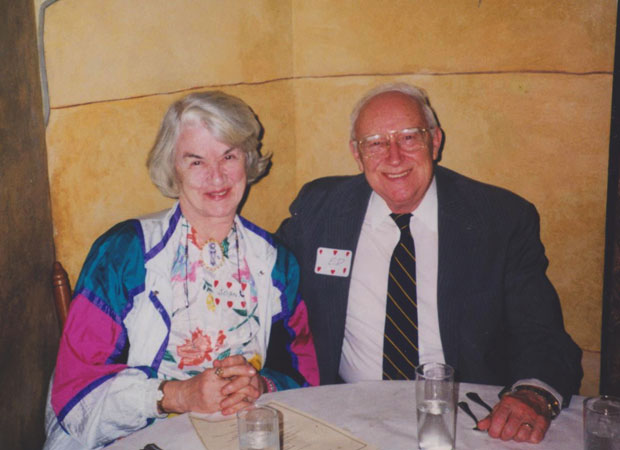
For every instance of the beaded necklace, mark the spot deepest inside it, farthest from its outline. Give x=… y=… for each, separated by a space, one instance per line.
x=211 y=260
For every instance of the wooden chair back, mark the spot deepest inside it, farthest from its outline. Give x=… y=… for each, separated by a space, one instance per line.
x=62 y=293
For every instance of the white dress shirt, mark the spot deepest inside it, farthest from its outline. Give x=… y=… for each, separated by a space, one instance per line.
x=362 y=349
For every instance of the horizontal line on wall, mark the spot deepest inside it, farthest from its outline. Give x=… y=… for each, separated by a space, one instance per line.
x=348 y=75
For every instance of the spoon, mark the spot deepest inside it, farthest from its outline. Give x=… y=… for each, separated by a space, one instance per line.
x=465 y=407
x=476 y=398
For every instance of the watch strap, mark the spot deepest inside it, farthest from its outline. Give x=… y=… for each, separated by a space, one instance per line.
x=160 y=398
x=552 y=403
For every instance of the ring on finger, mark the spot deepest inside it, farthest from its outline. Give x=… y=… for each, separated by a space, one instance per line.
x=218 y=372
x=528 y=425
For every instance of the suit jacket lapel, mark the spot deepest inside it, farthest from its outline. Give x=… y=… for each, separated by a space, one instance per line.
x=458 y=235
x=344 y=226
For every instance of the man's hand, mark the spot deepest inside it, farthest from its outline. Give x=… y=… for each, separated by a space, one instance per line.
x=522 y=416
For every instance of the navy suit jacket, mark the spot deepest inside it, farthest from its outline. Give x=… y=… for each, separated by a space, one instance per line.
x=499 y=316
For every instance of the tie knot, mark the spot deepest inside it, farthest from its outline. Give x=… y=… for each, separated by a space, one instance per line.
x=402 y=220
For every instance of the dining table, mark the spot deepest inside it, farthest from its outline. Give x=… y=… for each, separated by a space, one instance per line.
x=379 y=413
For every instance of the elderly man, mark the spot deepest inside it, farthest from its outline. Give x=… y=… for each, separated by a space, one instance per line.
x=462 y=282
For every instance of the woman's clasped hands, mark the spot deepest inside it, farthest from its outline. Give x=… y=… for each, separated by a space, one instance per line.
x=231 y=385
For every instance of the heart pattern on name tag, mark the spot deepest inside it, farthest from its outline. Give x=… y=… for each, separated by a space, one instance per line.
x=333 y=262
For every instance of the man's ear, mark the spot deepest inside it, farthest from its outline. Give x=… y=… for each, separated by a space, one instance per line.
x=356 y=155
x=437 y=141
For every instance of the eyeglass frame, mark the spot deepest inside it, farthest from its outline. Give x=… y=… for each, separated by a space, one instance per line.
x=390 y=135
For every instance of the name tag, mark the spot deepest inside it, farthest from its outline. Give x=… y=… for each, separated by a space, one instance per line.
x=333 y=262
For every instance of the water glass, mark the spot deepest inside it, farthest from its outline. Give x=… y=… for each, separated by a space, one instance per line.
x=601 y=423
x=258 y=428
x=436 y=406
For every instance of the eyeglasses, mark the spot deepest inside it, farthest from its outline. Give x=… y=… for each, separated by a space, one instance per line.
x=409 y=140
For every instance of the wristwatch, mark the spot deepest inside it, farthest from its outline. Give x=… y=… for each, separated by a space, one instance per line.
x=552 y=403
x=160 y=398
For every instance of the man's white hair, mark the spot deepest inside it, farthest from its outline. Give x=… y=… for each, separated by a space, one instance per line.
x=416 y=93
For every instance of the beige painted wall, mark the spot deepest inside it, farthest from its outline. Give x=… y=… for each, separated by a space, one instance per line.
x=522 y=90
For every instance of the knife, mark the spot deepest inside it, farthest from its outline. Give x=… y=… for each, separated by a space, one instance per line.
x=476 y=398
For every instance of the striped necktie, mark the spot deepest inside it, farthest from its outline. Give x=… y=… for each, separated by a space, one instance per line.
x=400 y=343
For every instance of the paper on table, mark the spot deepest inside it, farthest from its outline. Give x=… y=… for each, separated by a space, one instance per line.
x=299 y=431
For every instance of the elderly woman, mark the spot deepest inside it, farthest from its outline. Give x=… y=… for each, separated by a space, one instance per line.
x=192 y=309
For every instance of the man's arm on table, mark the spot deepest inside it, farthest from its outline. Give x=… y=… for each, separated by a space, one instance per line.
x=544 y=359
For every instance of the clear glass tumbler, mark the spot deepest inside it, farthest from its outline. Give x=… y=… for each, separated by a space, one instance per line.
x=258 y=428
x=601 y=423
x=436 y=406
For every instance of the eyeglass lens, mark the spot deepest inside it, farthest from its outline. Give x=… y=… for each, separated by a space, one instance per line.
x=409 y=139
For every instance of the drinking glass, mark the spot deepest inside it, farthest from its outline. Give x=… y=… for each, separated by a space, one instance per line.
x=601 y=423
x=258 y=428
x=436 y=406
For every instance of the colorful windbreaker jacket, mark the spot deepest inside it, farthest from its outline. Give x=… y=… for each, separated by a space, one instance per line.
x=106 y=376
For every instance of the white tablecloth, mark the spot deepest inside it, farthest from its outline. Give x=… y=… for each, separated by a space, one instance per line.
x=381 y=413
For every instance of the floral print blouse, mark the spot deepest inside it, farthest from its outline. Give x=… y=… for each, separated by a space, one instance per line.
x=214 y=310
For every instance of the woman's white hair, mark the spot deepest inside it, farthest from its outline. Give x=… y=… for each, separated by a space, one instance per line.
x=228 y=118
x=416 y=93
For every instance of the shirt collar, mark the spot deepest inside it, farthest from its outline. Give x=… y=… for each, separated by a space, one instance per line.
x=426 y=212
